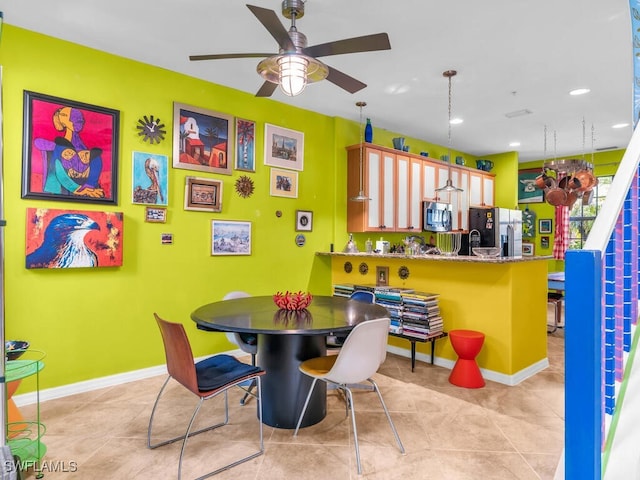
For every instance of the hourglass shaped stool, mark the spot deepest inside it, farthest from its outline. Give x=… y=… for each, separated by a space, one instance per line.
x=467 y=345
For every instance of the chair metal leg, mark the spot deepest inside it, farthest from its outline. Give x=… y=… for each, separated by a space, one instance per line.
x=353 y=423
x=188 y=434
x=180 y=437
x=384 y=407
x=304 y=408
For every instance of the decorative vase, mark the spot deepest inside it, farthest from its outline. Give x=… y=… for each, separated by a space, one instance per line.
x=368 y=132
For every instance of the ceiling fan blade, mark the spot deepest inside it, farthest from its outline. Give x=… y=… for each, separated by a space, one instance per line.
x=274 y=26
x=230 y=55
x=344 y=81
x=267 y=89
x=367 y=43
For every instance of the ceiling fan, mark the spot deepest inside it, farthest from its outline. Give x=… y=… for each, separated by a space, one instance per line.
x=295 y=64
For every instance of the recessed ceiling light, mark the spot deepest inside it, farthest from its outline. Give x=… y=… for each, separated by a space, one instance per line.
x=620 y=125
x=456 y=121
x=579 y=91
x=514 y=144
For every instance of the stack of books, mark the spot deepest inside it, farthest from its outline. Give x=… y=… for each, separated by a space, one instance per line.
x=421 y=315
x=391 y=299
x=415 y=314
x=343 y=290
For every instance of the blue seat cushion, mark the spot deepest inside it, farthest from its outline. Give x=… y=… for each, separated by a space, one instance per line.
x=216 y=371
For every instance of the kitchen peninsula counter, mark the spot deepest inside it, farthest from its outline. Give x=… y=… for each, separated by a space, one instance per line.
x=503 y=297
x=447 y=258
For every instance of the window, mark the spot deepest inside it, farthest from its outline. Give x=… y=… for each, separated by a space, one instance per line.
x=584 y=212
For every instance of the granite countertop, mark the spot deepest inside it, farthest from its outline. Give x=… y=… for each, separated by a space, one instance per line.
x=440 y=258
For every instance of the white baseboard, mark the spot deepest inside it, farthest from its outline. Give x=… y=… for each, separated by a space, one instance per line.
x=102 y=382
x=498 y=377
x=120 y=378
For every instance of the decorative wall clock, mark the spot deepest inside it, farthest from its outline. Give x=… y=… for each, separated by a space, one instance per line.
x=150 y=129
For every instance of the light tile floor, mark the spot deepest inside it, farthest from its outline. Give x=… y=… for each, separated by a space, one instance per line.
x=451 y=433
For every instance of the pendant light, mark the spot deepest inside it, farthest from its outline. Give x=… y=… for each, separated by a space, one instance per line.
x=361 y=197
x=448 y=187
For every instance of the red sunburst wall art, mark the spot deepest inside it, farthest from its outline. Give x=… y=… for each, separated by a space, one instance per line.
x=73 y=238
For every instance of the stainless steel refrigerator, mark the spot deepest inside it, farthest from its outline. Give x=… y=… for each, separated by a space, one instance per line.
x=498 y=227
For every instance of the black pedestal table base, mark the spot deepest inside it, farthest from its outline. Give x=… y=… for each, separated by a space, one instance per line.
x=284 y=387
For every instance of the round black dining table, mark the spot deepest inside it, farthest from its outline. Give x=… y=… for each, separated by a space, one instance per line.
x=286 y=339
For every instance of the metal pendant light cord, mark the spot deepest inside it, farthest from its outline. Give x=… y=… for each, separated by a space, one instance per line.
x=361 y=197
x=449 y=185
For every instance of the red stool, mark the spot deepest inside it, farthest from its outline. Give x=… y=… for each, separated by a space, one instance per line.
x=467 y=344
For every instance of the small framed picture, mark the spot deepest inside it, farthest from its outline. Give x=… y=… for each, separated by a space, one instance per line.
x=155 y=215
x=150 y=179
x=304 y=221
x=203 y=194
x=382 y=276
x=284 y=183
x=544 y=242
x=283 y=147
x=230 y=237
x=245 y=145
x=527 y=249
x=544 y=225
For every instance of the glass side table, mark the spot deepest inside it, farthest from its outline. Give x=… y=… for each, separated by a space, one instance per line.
x=24 y=437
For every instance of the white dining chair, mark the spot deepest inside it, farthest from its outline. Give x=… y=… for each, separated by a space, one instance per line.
x=364 y=350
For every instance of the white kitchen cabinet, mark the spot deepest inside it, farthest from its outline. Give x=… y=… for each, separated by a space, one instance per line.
x=481 y=189
x=379 y=179
x=409 y=194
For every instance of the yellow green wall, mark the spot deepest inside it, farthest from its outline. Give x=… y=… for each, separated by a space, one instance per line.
x=97 y=322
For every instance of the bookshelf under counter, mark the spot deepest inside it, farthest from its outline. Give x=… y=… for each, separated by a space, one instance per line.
x=505 y=298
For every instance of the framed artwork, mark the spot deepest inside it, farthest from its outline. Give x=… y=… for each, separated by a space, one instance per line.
x=284 y=183
x=70 y=150
x=527 y=249
x=544 y=242
x=245 y=145
x=155 y=215
x=382 y=276
x=202 y=139
x=73 y=238
x=304 y=221
x=545 y=225
x=150 y=182
x=203 y=194
x=527 y=190
x=230 y=237
x=528 y=223
x=283 y=148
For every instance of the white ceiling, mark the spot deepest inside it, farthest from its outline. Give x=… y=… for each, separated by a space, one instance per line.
x=510 y=55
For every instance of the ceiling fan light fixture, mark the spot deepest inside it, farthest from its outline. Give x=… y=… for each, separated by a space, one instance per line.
x=292 y=71
x=292 y=75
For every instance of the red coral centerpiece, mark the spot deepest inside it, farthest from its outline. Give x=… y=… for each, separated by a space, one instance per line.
x=292 y=300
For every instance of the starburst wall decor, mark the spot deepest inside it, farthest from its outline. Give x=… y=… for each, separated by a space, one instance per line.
x=244 y=186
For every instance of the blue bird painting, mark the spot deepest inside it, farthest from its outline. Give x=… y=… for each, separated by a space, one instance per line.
x=63 y=245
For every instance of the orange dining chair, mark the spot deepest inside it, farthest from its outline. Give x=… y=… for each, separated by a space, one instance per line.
x=364 y=350
x=206 y=379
